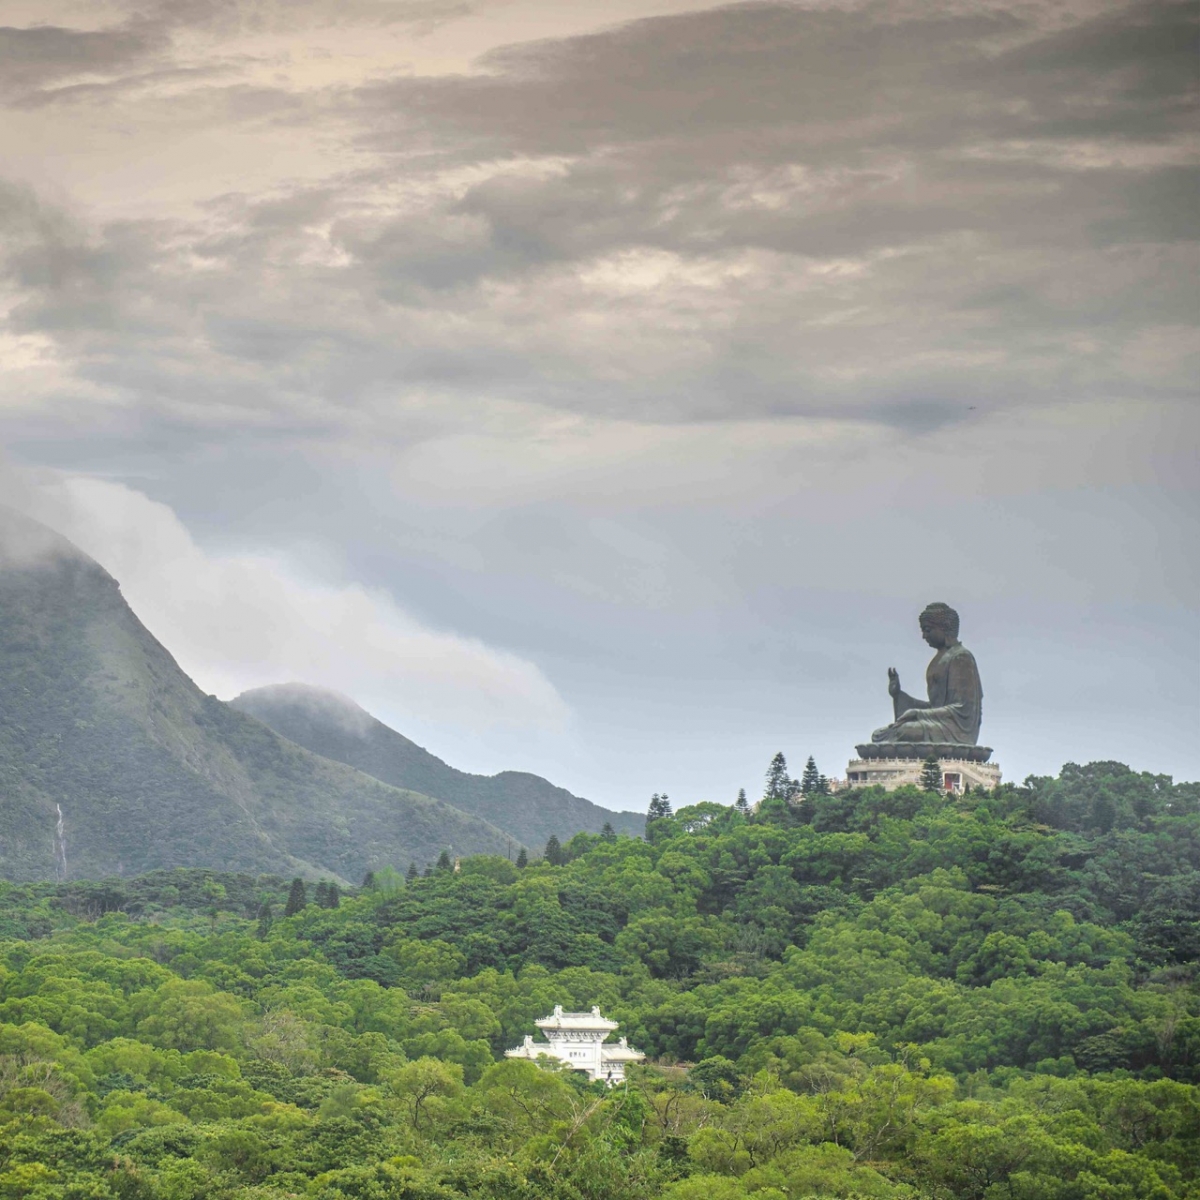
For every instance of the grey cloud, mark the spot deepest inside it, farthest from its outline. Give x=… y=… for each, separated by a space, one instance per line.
x=881 y=117
x=46 y=64
x=1132 y=71
x=35 y=58
x=258 y=16
x=856 y=215
x=751 y=79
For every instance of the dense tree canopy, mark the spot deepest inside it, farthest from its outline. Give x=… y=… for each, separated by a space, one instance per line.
x=868 y=994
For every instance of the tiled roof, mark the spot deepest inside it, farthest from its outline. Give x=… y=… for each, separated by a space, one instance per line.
x=576 y=1020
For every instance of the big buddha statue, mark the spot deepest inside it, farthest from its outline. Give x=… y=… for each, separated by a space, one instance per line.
x=947 y=724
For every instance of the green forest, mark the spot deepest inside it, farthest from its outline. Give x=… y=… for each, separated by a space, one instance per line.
x=893 y=995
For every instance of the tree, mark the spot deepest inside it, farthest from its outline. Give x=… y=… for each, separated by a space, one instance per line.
x=931 y=775
x=810 y=780
x=443 y=862
x=742 y=804
x=387 y=881
x=1104 y=813
x=659 y=811
x=333 y=896
x=297 y=898
x=368 y=882
x=608 y=833
x=186 y=1014
x=419 y=1082
x=321 y=895
x=265 y=918
x=522 y=859
x=412 y=872
x=716 y=1078
x=553 y=854
x=214 y=892
x=780 y=785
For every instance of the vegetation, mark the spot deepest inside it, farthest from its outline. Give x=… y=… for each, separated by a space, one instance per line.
x=525 y=806
x=867 y=994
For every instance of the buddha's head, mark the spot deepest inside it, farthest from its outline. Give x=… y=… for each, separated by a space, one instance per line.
x=939 y=625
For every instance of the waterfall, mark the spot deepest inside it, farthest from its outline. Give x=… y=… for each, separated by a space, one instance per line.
x=60 y=844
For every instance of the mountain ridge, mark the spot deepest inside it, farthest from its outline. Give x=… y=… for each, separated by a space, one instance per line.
x=102 y=730
x=336 y=727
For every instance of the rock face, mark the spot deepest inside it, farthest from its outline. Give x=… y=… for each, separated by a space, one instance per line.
x=113 y=762
x=526 y=806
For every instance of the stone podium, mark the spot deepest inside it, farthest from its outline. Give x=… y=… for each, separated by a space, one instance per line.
x=945 y=726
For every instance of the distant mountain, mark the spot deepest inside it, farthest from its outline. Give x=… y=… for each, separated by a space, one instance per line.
x=112 y=761
x=526 y=806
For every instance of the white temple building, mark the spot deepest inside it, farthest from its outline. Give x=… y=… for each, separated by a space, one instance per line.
x=577 y=1039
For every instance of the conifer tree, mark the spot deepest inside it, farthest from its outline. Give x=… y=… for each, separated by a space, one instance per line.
x=266 y=918
x=412 y=872
x=522 y=859
x=778 y=783
x=659 y=811
x=608 y=833
x=297 y=898
x=810 y=780
x=321 y=895
x=822 y=786
x=443 y=862
x=660 y=807
x=428 y=872
x=553 y=854
x=333 y=896
x=742 y=804
x=368 y=883
x=931 y=775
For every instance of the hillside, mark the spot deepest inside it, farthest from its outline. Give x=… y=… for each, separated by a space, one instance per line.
x=526 y=806
x=873 y=996
x=99 y=726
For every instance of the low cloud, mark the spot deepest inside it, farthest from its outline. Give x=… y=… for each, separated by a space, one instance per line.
x=240 y=620
x=327 y=706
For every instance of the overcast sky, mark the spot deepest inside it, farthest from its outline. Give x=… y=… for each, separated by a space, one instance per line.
x=602 y=390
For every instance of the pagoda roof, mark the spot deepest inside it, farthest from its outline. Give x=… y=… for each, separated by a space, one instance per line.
x=580 y=1021
x=620 y=1053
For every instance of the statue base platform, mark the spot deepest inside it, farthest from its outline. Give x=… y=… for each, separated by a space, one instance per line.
x=922 y=750
x=958 y=773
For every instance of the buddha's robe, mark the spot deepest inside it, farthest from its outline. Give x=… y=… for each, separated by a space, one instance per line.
x=953 y=710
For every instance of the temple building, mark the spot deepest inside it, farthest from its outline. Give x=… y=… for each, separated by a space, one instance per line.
x=577 y=1039
x=958 y=771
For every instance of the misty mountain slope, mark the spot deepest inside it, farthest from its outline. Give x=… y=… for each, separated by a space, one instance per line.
x=98 y=723
x=526 y=806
